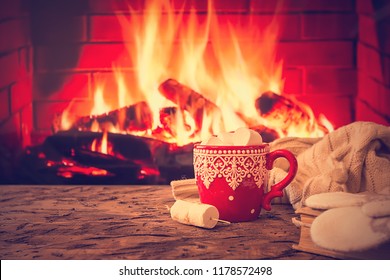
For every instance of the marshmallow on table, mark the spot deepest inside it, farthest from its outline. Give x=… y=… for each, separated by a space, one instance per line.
x=246 y=137
x=196 y=214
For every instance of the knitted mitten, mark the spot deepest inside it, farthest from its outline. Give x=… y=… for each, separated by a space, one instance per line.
x=350 y=222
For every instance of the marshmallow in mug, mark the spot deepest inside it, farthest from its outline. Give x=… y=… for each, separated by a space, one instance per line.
x=241 y=137
x=227 y=138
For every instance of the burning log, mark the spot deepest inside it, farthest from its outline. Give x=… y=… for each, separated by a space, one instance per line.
x=122 y=168
x=189 y=100
x=168 y=120
x=64 y=143
x=268 y=134
x=65 y=158
x=136 y=117
x=287 y=114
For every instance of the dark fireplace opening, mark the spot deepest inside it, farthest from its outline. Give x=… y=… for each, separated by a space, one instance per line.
x=285 y=68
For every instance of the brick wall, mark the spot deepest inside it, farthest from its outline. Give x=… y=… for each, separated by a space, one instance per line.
x=16 y=122
x=76 y=41
x=373 y=61
x=317 y=44
x=336 y=57
x=321 y=55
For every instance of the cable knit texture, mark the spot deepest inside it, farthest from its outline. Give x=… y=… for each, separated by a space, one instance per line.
x=353 y=158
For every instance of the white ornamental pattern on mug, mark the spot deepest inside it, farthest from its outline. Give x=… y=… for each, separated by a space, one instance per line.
x=234 y=168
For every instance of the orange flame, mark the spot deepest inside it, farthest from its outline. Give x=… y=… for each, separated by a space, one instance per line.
x=103 y=146
x=208 y=54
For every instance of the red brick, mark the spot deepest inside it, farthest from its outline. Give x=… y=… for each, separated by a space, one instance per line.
x=56 y=57
x=288 y=25
x=384 y=104
x=91 y=56
x=373 y=63
x=21 y=94
x=231 y=5
x=97 y=56
x=4 y=104
x=367 y=31
x=14 y=34
x=330 y=26
x=105 y=28
x=217 y=5
x=334 y=81
x=25 y=61
x=253 y=26
x=366 y=113
x=10 y=135
x=61 y=86
x=59 y=30
x=374 y=8
x=386 y=69
x=109 y=6
x=9 y=69
x=39 y=136
x=198 y=5
x=123 y=28
x=26 y=125
x=10 y=9
x=293 y=81
x=271 y=6
x=374 y=94
x=383 y=29
x=365 y=7
x=338 y=110
x=374 y=33
x=45 y=112
x=368 y=60
x=368 y=90
x=307 y=53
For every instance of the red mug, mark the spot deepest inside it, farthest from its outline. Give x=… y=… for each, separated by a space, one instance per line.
x=233 y=179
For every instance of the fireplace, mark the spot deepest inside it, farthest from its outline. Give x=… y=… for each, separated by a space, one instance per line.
x=57 y=56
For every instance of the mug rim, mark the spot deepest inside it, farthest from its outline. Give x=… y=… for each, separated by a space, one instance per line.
x=201 y=146
x=231 y=150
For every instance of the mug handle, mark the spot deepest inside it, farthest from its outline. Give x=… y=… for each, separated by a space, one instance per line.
x=276 y=190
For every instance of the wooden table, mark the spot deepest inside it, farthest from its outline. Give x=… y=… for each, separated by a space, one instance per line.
x=130 y=222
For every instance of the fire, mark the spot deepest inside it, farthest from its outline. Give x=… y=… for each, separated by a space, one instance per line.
x=102 y=146
x=214 y=59
x=100 y=107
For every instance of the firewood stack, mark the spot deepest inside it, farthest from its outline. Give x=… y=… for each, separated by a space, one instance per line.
x=136 y=117
x=149 y=154
x=282 y=114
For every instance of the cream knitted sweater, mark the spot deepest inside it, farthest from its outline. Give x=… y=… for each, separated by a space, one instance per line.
x=353 y=158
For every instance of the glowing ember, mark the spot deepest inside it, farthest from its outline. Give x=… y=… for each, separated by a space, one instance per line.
x=103 y=145
x=218 y=79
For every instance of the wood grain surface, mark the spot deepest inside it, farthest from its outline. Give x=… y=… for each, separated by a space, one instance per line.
x=130 y=222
